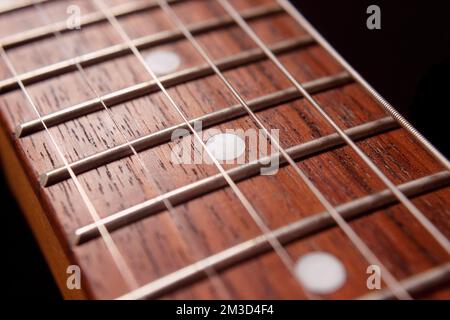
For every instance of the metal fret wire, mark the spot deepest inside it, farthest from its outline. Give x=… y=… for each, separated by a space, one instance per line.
x=215 y=279
x=354 y=238
x=427 y=224
x=439 y=237
x=106 y=236
x=275 y=244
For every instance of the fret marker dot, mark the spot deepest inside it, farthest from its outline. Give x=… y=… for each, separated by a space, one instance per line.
x=320 y=272
x=226 y=146
x=163 y=62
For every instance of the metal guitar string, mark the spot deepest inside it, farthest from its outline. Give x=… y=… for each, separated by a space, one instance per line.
x=355 y=239
x=211 y=274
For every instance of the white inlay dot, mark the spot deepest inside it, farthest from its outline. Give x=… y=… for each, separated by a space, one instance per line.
x=320 y=272
x=163 y=62
x=226 y=146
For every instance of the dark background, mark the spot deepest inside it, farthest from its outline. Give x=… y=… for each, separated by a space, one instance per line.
x=407 y=62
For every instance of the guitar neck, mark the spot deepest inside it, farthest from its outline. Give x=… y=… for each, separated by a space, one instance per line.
x=213 y=150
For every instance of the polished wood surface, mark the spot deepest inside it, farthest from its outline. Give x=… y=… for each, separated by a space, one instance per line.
x=165 y=242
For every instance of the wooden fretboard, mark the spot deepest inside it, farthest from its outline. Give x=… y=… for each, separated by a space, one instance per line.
x=87 y=145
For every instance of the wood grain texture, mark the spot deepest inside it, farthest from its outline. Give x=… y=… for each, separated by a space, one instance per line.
x=161 y=244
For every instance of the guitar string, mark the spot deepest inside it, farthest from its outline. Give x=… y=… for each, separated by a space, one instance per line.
x=117 y=257
x=351 y=234
x=426 y=223
x=210 y=272
x=270 y=238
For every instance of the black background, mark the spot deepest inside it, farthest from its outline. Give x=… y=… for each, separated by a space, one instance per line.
x=407 y=61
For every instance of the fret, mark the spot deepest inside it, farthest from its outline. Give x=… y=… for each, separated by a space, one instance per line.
x=42 y=53
x=118 y=50
x=30 y=19
x=299 y=229
x=46 y=31
x=16 y=21
x=148 y=87
x=417 y=284
x=210 y=184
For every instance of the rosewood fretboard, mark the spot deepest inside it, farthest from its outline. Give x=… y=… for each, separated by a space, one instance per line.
x=113 y=124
